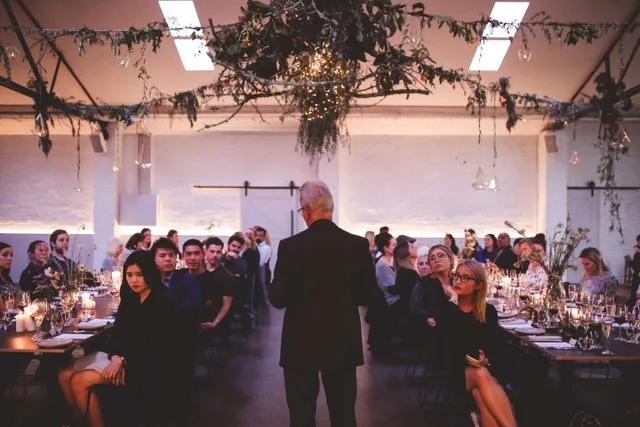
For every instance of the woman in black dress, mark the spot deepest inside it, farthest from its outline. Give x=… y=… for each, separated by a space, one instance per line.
x=471 y=326
x=144 y=350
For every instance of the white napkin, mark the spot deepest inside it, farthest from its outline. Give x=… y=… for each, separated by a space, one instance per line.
x=75 y=336
x=556 y=345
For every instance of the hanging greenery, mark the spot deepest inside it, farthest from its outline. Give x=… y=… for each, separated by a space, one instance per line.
x=320 y=58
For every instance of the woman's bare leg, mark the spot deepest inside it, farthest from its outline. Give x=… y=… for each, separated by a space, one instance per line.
x=486 y=419
x=64 y=378
x=493 y=396
x=81 y=383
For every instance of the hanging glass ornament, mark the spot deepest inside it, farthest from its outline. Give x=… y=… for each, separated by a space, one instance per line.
x=620 y=141
x=12 y=52
x=480 y=181
x=524 y=54
x=123 y=61
x=494 y=185
x=575 y=158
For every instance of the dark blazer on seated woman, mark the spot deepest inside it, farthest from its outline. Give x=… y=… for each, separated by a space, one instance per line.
x=149 y=338
x=406 y=280
x=463 y=335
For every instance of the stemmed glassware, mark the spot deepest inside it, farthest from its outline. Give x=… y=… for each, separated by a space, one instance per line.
x=39 y=311
x=607 y=325
x=5 y=319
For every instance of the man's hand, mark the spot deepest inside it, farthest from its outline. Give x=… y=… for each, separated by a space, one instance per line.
x=208 y=325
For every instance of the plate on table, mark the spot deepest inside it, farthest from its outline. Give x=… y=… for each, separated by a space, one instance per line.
x=94 y=324
x=503 y=315
x=530 y=331
x=54 y=343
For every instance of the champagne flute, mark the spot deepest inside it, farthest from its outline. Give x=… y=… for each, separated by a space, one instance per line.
x=607 y=325
x=610 y=306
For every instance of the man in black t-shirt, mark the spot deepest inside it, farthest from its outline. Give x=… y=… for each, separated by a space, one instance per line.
x=218 y=293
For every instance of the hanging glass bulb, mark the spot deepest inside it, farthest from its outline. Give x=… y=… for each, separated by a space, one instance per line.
x=621 y=140
x=12 y=52
x=123 y=61
x=480 y=181
x=524 y=54
x=575 y=158
x=494 y=185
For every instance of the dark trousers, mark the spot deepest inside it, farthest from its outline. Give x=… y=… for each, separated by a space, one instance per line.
x=302 y=388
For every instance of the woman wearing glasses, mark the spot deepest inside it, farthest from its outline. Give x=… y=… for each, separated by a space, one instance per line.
x=471 y=326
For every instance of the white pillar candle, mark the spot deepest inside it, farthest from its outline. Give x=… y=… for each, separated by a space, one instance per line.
x=30 y=324
x=21 y=322
x=116 y=276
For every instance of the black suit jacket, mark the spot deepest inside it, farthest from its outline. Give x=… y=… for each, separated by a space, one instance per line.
x=506 y=259
x=322 y=275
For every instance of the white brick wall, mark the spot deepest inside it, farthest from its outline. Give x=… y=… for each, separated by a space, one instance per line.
x=627 y=174
x=422 y=185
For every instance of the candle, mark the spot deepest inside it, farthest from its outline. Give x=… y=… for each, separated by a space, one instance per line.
x=116 y=277
x=29 y=324
x=21 y=322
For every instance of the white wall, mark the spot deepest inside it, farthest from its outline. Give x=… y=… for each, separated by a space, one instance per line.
x=422 y=185
x=627 y=174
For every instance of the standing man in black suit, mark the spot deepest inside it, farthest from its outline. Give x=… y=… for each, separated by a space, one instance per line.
x=322 y=275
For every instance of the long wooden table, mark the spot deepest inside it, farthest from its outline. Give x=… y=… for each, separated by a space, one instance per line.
x=622 y=352
x=21 y=343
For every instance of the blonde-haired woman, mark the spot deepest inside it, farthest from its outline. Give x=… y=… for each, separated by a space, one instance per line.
x=471 y=326
x=597 y=279
x=114 y=260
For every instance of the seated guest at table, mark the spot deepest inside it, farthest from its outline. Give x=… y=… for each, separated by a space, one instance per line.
x=381 y=314
x=144 y=349
x=470 y=246
x=58 y=261
x=470 y=329
x=534 y=251
x=635 y=269
x=6 y=259
x=597 y=278
x=34 y=274
x=218 y=294
x=146 y=243
x=135 y=243
x=450 y=242
x=424 y=268
x=516 y=247
x=505 y=258
x=404 y=263
x=490 y=251
x=182 y=286
x=438 y=283
x=113 y=260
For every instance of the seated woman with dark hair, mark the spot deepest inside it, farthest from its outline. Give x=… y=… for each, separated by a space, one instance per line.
x=471 y=326
x=144 y=351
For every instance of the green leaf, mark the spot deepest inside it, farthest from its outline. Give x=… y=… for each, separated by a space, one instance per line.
x=234 y=49
x=418 y=8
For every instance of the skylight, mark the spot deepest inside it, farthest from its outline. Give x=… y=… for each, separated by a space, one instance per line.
x=489 y=55
x=511 y=12
x=180 y=14
x=492 y=51
x=193 y=54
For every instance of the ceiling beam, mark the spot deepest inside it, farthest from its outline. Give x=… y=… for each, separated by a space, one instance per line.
x=629 y=61
x=23 y=43
x=57 y=51
x=634 y=15
x=11 y=85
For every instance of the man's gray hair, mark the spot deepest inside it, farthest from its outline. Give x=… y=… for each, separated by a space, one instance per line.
x=316 y=196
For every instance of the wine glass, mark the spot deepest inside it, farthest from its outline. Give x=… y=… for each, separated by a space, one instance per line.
x=607 y=325
x=5 y=319
x=24 y=301
x=114 y=291
x=573 y=292
x=57 y=322
x=9 y=300
x=38 y=315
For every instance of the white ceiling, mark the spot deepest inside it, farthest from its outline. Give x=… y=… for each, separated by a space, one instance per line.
x=553 y=70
